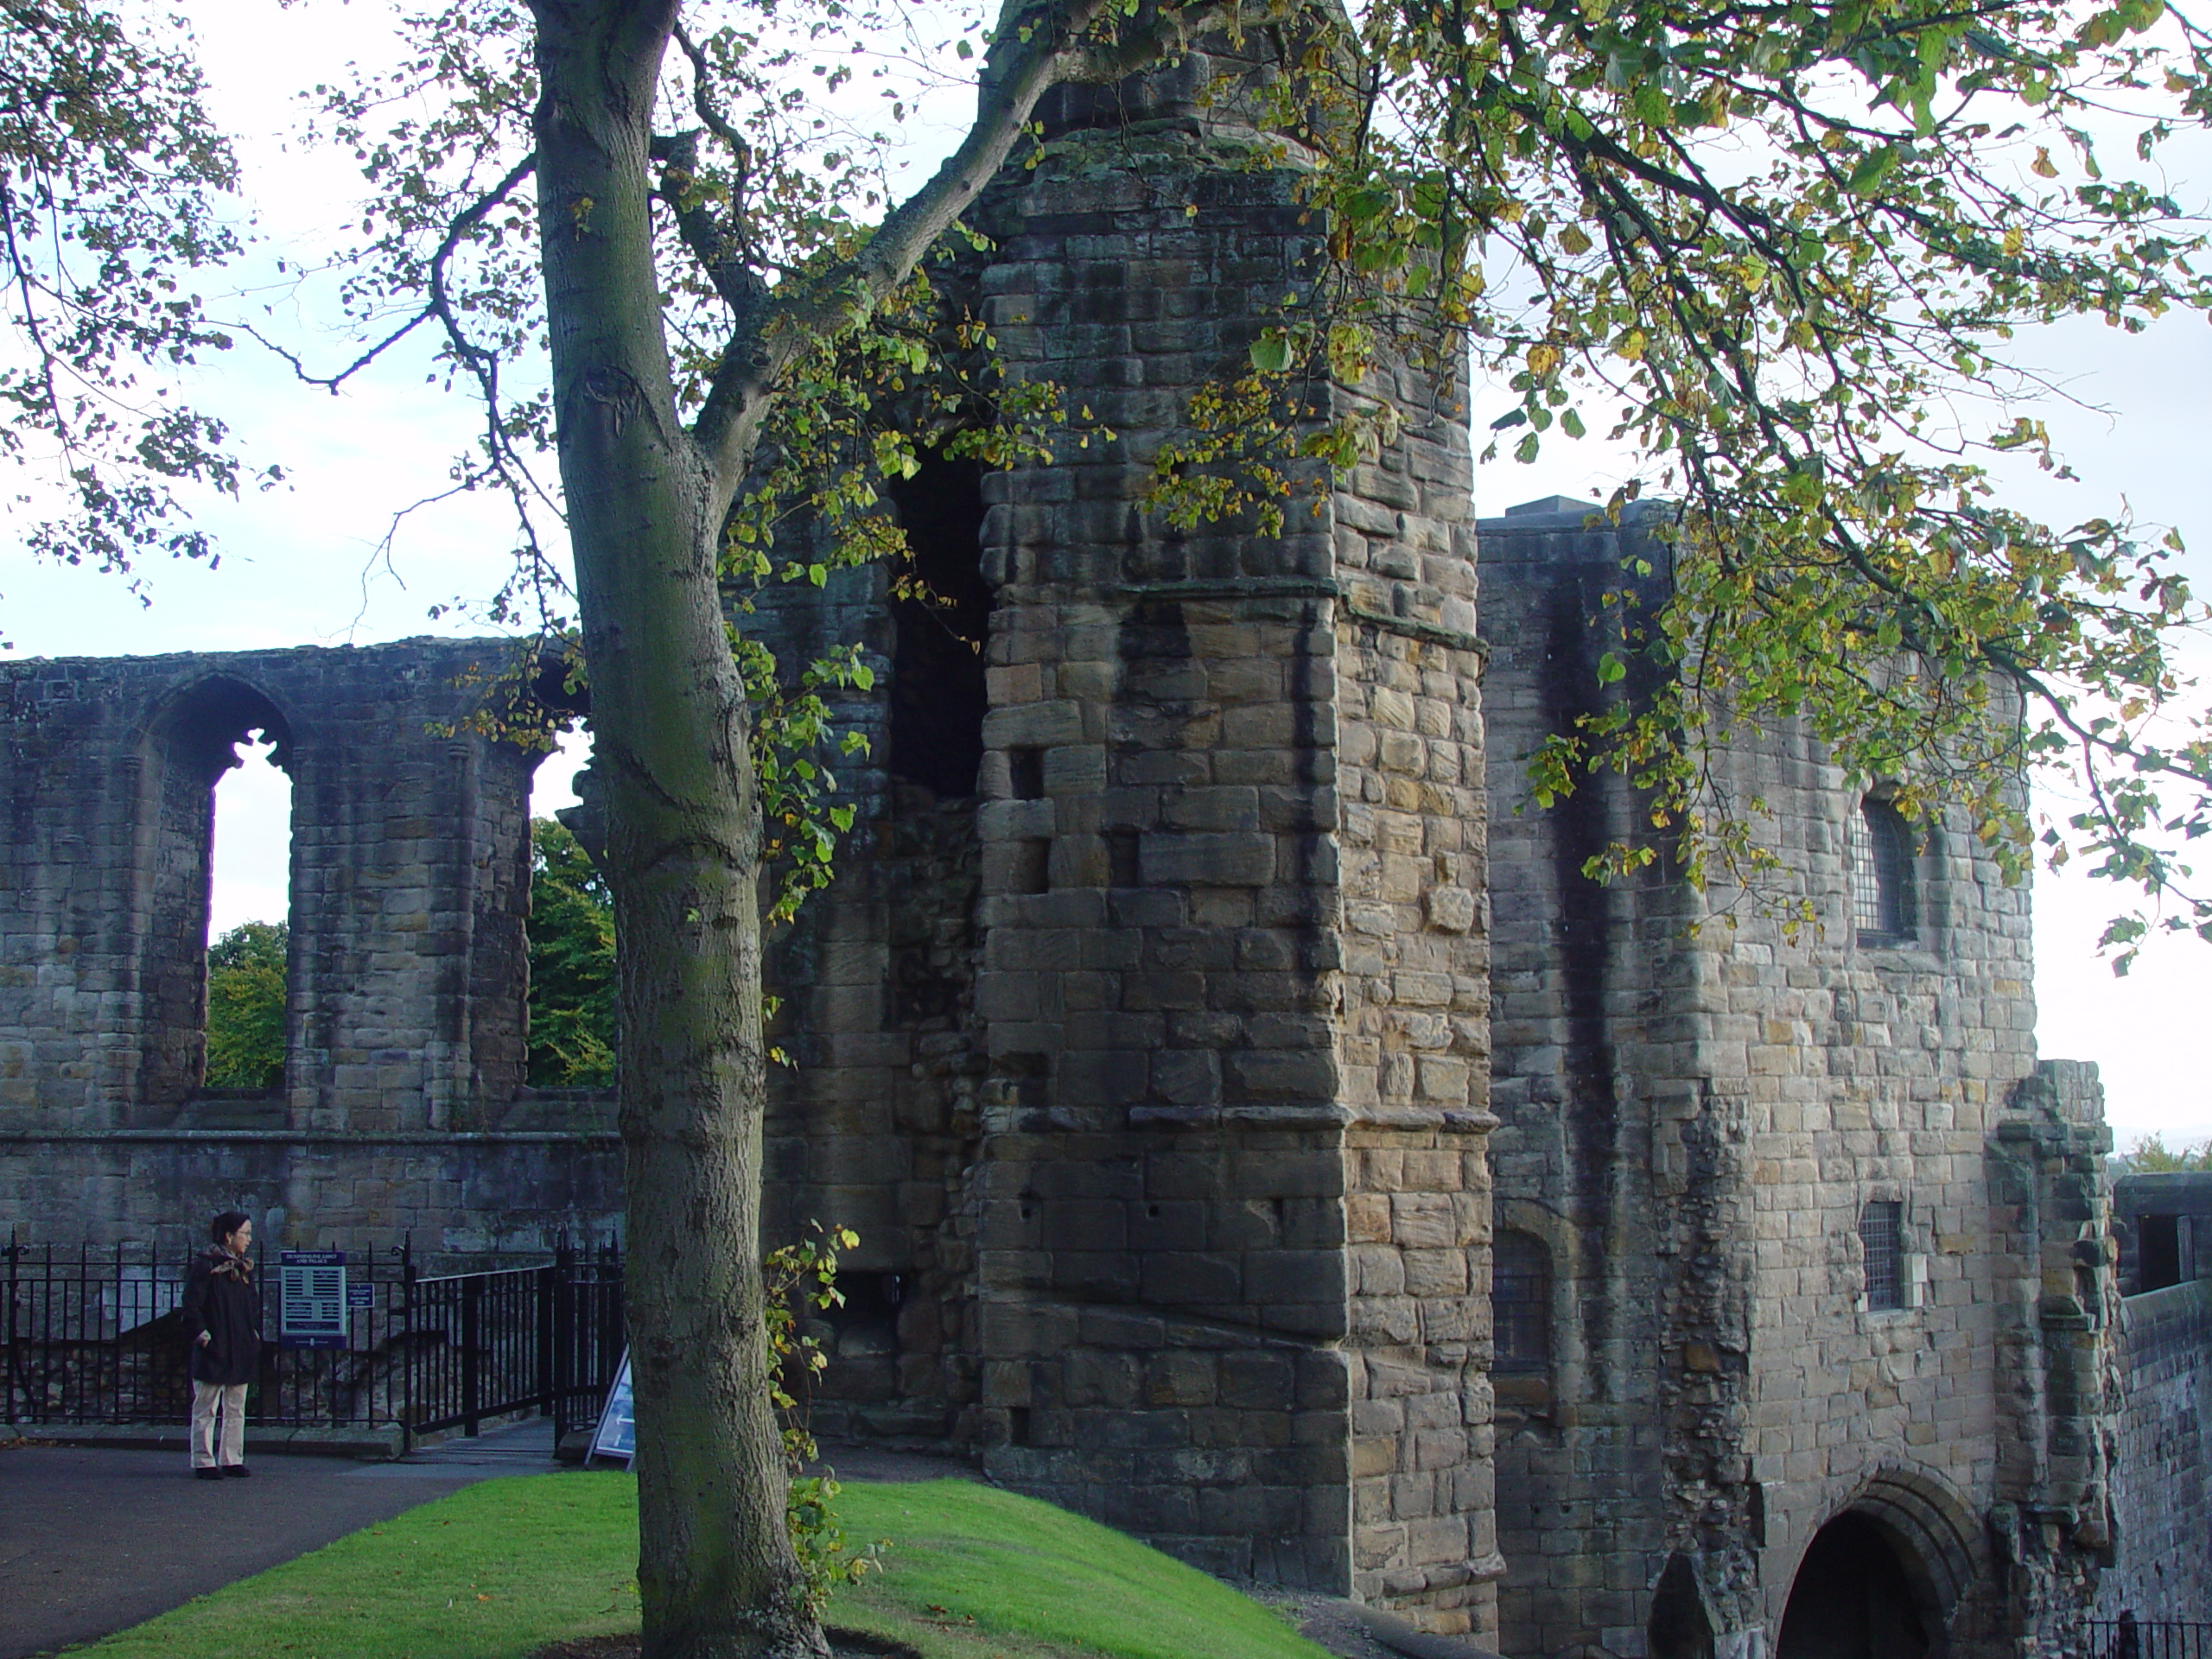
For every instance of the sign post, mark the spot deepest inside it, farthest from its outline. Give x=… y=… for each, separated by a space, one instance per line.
x=311 y=1300
x=617 y=1433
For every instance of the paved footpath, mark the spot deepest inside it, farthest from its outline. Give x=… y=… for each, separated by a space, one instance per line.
x=94 y=1540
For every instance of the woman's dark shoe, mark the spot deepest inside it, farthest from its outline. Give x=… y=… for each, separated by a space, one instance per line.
x=207 y=1474
x=237 y=1471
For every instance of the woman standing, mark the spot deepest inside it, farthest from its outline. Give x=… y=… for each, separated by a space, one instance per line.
x=222 y=1320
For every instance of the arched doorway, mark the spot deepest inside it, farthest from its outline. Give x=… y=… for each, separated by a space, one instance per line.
x=1679 y=1628
x=1853 y=1599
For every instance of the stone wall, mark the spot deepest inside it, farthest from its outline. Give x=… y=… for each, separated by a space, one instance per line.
x=1177 y=1172
x=1694 y=1122
x=1414 y=1023
x=404 y=1021
x=2162 y=1544
x=487 y=1196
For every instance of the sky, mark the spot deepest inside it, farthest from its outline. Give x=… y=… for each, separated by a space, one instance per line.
x=309 y=562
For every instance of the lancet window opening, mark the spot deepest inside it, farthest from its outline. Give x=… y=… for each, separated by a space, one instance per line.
x=1885 y=905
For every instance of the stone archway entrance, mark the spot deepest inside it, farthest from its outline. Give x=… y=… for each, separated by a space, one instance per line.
x=1854 y=1598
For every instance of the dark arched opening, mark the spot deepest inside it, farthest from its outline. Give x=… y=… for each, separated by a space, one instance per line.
x=1679 y=1627
x=1853 y=1599
x=941 y=610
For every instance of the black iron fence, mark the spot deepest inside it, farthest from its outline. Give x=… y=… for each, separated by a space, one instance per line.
x=96 y=1336
x=2130 y=1637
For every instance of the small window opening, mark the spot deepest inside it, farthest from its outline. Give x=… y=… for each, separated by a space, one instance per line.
x=1679 y=1628
x=249 y=912
x=1880 y=1239
x=941 y=613
x=2157 y=1251
x=1029 y=867
x=1025 y=773
x=1882 y=896
x=1521 y=1302
x=1124 y=869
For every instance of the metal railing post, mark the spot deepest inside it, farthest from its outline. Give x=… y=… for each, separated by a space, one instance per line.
x=411 y=1360
x=471 y=1294
x=15 y=1353
x=548 y=1294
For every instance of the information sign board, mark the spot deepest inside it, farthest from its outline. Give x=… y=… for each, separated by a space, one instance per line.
x=360 y=1299
x=617 y=1434
x=311 y=1298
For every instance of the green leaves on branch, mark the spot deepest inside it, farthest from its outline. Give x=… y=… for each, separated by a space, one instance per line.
x=1783 y=251
x=112 y=181
x=795 y=739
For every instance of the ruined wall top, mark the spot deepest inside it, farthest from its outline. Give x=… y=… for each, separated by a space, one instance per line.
x=408 y=881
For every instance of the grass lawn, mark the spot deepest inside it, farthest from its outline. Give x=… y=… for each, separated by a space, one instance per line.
x=507 y=1565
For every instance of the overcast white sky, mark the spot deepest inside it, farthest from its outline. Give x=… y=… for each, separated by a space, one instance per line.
x=300 y=565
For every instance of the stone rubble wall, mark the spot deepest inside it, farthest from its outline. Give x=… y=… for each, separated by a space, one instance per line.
x=2162 y=1544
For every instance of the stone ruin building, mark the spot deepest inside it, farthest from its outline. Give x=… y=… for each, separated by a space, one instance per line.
x=1261 y=1133
x=402 y=1110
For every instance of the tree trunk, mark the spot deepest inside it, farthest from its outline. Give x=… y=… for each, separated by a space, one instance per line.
x=716 y=1572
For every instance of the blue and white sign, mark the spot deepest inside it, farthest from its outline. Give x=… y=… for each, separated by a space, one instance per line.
x=617 y=1436
x=311 y=1298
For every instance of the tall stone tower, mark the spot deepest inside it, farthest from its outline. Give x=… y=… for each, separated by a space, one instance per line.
x=1144 y=1042
x=1803 y=1297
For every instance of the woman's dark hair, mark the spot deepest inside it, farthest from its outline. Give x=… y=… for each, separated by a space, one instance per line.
x=224 y=1225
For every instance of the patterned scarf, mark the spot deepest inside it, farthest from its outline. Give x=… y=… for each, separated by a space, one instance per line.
x=228 y=1262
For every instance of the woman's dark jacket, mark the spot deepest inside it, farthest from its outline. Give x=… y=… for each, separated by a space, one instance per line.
x=221 y=1299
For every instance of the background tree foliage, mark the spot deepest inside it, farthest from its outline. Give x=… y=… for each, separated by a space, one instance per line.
x=111 y=177
x=2152 y=1156
x=245 y=1006
x=571 y=963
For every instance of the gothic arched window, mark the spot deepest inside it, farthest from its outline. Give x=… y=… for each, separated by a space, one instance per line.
x=1521 y=1302
x=1882 y=898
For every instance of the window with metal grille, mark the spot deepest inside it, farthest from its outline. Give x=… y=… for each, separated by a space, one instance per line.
x=1521 y=1302
x=1879 y=1237
x=1881 y=875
